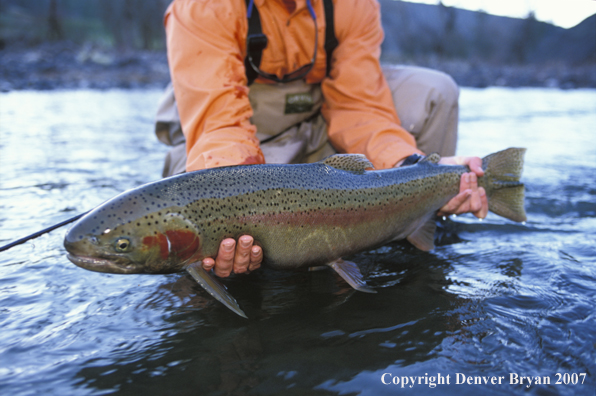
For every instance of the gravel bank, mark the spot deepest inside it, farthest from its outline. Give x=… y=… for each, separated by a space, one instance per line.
x=63 y=65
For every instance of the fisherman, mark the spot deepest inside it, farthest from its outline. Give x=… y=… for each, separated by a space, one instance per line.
x=294 y=81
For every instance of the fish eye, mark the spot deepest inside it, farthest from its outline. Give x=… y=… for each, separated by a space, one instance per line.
x=122 y=245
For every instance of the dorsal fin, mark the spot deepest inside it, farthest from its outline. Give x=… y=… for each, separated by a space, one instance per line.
x=357 y=163
x=433 y=158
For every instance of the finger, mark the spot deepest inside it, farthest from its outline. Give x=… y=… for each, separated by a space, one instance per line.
x=481 y=214
x=475 y=165
x=225 y=258
x=464 y=182
x=475 y=203
x=460 y=203
x=455 y=204
x=451 y=161
x=208 y=263
x=256 y=258
x=473 y=182
x=242 y=256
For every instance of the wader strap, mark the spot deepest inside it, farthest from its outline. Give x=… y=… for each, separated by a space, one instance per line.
x=330 y=39
x=256 y=41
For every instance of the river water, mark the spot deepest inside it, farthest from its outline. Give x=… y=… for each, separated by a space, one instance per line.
x=495 y=299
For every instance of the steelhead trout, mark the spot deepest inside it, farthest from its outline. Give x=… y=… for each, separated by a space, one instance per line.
x=302 y=215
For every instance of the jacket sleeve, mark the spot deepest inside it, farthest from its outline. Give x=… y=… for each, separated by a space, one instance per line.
x=205 y=41
x=358 y=106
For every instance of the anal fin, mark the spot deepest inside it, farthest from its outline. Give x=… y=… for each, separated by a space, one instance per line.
x=213 y=287
x=351 y=274
x=424 y=236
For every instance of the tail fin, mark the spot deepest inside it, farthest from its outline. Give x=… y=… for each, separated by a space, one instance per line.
x=505 y=193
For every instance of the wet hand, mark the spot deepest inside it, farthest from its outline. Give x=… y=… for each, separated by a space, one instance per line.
x=241 y=257
x=471 y=198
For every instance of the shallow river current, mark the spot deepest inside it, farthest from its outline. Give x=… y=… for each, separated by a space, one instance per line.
x=494 y=302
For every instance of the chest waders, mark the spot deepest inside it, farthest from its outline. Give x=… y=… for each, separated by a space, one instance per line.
x=288 y=119
x=287 y=115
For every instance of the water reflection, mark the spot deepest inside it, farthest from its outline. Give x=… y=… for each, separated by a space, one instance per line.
x=319 y=335
x=494 y=298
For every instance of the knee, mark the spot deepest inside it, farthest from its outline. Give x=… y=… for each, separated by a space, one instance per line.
x=446 y=87
x=441 y=88
x=426 y=84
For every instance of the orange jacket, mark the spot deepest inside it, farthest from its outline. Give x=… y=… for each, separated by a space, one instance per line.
x=206 y=43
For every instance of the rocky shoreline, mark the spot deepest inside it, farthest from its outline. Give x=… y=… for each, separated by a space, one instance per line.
x=550 y=75
x=64 y=65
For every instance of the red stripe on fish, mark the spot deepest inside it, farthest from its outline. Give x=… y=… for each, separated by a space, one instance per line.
x=183 y=243
x=161 y=241
x=330 y=217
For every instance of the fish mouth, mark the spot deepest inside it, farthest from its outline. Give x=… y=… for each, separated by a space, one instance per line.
x=104 y=265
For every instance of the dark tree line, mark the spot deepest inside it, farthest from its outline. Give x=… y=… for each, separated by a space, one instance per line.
x=412 y=31
x=421 y=31
x=134 y=23
x=125 y=24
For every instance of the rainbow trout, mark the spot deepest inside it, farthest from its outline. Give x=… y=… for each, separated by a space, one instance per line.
x=302 y=215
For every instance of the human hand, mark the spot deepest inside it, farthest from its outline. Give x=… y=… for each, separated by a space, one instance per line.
x=471 y=198
x=243 y=258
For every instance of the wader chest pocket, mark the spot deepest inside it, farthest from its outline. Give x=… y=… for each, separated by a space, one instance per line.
x=298 y=103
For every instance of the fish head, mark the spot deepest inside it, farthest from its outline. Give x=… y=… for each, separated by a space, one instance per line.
x=115 y=238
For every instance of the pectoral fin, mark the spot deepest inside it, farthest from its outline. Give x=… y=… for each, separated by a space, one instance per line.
x=214 y=288
x=424 y=237
x=351 y=274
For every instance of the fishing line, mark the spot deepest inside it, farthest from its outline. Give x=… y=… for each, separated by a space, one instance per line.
x=41 y=232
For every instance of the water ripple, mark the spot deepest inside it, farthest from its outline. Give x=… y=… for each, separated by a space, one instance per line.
x=493 y=298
